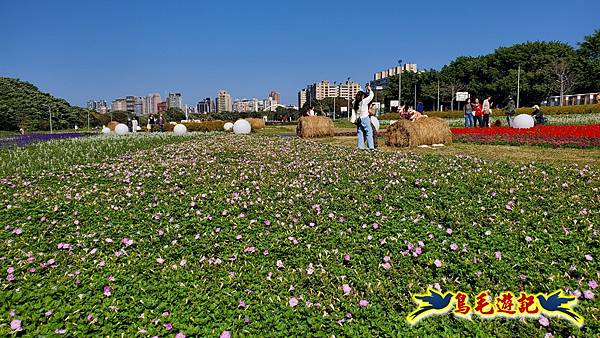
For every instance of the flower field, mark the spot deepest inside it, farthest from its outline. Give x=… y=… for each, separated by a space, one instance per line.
x=581 y=136
x=218 y=235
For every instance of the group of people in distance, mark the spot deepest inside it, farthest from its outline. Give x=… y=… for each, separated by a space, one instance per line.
x=476 y=113
x=156 y=121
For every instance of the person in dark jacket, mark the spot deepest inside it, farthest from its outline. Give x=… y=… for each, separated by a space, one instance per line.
x=420 y=107
x=509 y=110
x=538 y=116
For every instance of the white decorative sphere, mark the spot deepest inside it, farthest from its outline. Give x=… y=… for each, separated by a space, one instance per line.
x=106 y=130
x=228 y=126
x=375 y=122
x=522 y=121
x=121 y=129
x=242 y=126
x=180 y=129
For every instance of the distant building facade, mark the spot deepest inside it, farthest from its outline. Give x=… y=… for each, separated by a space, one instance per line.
x=321 y=90
x=275 y=96
x=151 y=102
x=381 y=79
x=224 y=103
x=302 y=97
x=174 y=100
x=118 y=105
x=205 y=106
x=162 y=106
x=245 y=105
x=99 y=106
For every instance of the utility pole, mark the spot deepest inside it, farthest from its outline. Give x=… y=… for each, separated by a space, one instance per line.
x=400 y=85
x=518 y=84
x=336 y=94
x=415 y=102
x=50 y=113
x=348 y=87
x=438 y=97
x=88 y=119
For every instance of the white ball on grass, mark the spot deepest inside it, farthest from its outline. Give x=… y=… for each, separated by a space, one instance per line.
x=522 y=121
x=228 y=126
x=375 y=122
x=242 y=126
x=105 y=130
x=121 y=129
x=180 y=129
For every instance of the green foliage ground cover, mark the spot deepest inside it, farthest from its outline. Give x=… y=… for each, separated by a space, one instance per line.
x=221 y=233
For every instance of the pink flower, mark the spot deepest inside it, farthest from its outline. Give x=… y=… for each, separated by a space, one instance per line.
x=250 y=249
x=386 y=258
x=127 y=241
x=386 y=265
x=10 y=269
x=60 y=331
x=576 y=293
x=438 y=263
x=107 y=290
x=225 y=334
x=17 y=231
x=478 y=273
x=449 y=231
x=593 y=284
x=363 y=303
x=498 y=255
x=180 y=335
x=543 y=321
x=528 y=239
x=589 y=257
x=10 y=277
x=587 y=294
x=310 y=270
x=160 y=260
x=347 y=289
x=15 y=325
x=346 y=258
x=168 y=326
x=242 y=304
x=293 y=301
x=279 y=264
x=453 y=247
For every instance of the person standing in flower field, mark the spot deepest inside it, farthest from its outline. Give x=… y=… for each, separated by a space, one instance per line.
x=468 y=109
x=161 y=123
x=510 y=110
x=487 y=111
x=478 y=113
x=363 y=121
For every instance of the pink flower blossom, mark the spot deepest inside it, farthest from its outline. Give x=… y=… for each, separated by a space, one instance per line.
x=449 y=231
x=160 y=260
x=346 y=258
x=10 y=269
x=528 y=239
x=587 y=294
x=15 y=325
x=127 y=241
x=242 y=304
x=593 y=284
x=60 y=331
x=180 y=335
x=386 y=265
x=168 y=326
x=386 y=258
x=310 y=270
x=363 y=303
x=576 y=293
x=225 y=334
x=293 y=301
x=10 y=277
x=279 y=264
x=347 y=289
x=589 y=257
x=498 y=255
x=543 y=321
x=453 y=247
x=17 y=231
x=438 y=263
x=107 y=290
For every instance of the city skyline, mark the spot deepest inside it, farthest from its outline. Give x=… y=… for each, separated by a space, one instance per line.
x=139 y=49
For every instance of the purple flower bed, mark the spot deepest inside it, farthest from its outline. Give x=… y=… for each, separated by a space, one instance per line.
x=27 y=139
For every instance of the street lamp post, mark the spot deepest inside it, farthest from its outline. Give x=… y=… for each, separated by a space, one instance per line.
x=518 y=84
x=50 y=118
x=336 y=94
x=438 y=96
x=400 y=85
x=348 y=87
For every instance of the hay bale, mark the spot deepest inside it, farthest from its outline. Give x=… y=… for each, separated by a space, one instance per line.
x=425 y=130
x=111 y=125
x=256 y=123
x=315 y=126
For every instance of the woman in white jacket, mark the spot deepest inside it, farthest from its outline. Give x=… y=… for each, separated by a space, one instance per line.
x=363 y=122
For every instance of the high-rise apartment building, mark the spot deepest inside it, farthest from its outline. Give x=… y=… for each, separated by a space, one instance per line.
x=320 y=90
x=174 y=100
x=381 y=78
x=301 y=97
x=161 y=106
x=118 y=105
x=205 y=106
x=224 y=103
x=275 y=96
x=151 y=102
x=99 y=106
x=245 y=105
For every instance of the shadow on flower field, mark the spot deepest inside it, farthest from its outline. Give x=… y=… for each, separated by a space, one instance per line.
x=267 y=236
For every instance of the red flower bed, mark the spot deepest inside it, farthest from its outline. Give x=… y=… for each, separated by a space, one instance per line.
x=554 y=136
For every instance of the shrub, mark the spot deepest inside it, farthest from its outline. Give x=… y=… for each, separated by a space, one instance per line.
x=205 y=126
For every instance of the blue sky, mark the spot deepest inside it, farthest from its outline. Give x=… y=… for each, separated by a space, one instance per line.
x=80 y=50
